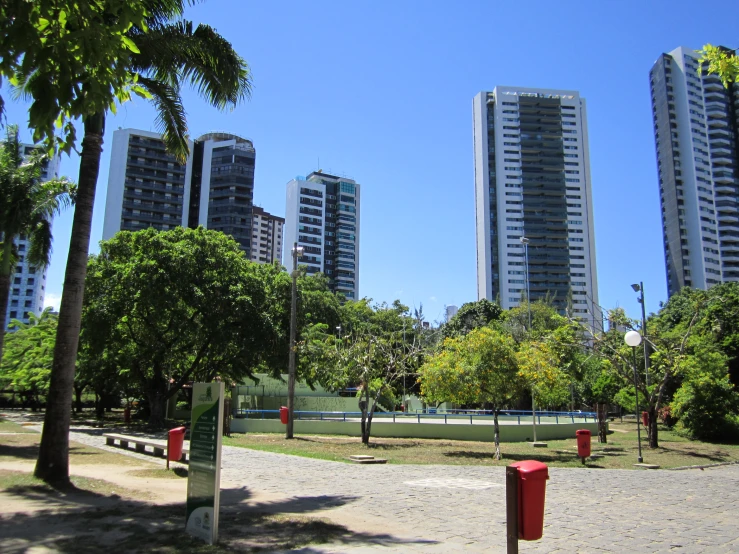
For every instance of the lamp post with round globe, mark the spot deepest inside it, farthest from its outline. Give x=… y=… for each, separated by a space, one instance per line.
x=633 y=339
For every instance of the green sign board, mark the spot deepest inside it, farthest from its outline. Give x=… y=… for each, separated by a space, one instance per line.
x=204 y=474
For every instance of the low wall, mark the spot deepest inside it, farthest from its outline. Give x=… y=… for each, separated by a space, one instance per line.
x=482 y=433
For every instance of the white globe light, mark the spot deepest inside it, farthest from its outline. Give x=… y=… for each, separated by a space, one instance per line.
x=632 y=338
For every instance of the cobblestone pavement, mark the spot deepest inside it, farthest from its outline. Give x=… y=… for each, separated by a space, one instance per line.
x=414 y=508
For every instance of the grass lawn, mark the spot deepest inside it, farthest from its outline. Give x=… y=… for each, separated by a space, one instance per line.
x=12 y=427
x=620 y=451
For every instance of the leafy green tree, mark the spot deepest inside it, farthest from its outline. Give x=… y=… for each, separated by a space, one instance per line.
x=376 y=352
x=165 y=308
x=163 y=52
x=478 y=368
x=64 y=56
x=26 y=366
x=27 y=206
x=706 y=401
x=471 y=316
x=539 y=366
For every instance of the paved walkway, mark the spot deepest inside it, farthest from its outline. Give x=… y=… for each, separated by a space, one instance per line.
x=413 y=508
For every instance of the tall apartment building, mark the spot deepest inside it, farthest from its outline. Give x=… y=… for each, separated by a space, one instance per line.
x=266 y=236
x=695 y=130
x=147 y=187
x=28 y=285
x=532 y=180
x=322 y=216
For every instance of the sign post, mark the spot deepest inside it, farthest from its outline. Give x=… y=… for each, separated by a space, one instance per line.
x=204 y=475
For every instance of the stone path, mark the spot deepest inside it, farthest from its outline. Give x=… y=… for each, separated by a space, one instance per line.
x=413 y=508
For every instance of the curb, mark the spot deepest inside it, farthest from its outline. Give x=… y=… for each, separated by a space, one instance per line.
x=701 y=466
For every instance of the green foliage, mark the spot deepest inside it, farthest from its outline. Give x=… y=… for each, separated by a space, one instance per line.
x=477 y=368
x=706 y=400
x=471 y=316
x=720 y=61
x=169 y=307
x=27 y=204
x=29 y=352
x=65 y=56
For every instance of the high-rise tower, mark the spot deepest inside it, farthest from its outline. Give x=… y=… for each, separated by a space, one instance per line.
x=532 y=180
x=322 y=216
x=147 y=187
x=28 y=282
x=695 y=130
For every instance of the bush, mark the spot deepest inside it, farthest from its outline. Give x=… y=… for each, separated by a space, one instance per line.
x=706 y=403
x=182 y=405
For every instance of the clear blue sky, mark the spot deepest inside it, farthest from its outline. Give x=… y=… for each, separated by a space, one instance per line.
x=382 y=92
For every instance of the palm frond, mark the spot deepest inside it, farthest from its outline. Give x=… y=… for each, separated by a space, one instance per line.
x=201 y=56
x=171 y=118
x=39 y=251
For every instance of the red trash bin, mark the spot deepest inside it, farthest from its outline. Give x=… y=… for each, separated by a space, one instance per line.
x=583 y=443
x=283 y=415
x=175 y=439
x=645 y=419
x=532 y=486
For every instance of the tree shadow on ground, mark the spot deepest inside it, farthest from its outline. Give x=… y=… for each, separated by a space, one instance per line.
x=81 y=522
x=473 y=455
x=19 y=451
x=716 y=456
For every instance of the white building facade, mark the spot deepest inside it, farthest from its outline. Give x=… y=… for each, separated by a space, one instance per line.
x=695 y=128
x=28 y=283
x=267 y=230
x=323 y=216
x=147 y=187
x=532 y=180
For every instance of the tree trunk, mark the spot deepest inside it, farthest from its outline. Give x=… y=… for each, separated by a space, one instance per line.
x=99 y=411
x=496 y=429
x=6 y=273
x=158 y=406
x=78 y=398
x=53 y=459
x=653 y=431
x=363 y=405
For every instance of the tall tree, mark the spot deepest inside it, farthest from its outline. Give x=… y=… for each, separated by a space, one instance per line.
x=27 y=205
x=165 y=53
x=166 y=308
x=478 y=368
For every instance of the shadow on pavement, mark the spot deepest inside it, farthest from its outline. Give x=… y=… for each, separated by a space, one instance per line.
x=83 y=521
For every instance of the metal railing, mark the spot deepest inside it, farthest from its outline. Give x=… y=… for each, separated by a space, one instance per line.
x=519 y=416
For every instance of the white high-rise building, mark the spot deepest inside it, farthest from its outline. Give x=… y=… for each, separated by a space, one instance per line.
x=147 y=187
x=266 y=236
x=532 y=180
x=695 y=125
x=322 y=216
x=28 y=283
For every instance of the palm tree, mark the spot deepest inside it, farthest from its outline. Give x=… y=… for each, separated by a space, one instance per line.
x=168 y=53
x=27 y=206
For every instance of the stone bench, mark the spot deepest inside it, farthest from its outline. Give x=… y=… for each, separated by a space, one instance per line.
x=158 y=447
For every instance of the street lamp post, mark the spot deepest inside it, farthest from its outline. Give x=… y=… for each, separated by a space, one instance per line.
x=525 y=243
x=633 y=339
x=640 y=288
x=297 y=252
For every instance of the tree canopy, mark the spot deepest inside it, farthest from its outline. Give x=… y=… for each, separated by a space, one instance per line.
x=165 y=308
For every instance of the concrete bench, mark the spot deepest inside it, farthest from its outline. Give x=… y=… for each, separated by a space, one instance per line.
x=158 y=447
